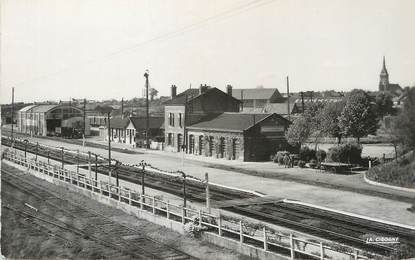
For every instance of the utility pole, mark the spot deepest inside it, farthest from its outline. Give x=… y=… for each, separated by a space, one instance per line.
x=302 y=100
x=12 y=111
x=84 y=118
x=109 y=151
x=122 y=108
x=147 y=110
x=288 y=98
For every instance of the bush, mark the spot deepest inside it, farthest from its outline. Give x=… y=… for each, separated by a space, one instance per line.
x=301 y=163
x=312 y=163
x=346 y=153
x=321 y=155
x=306 y=154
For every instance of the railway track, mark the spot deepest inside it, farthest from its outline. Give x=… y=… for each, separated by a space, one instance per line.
x=120 y=240
x=333 y=226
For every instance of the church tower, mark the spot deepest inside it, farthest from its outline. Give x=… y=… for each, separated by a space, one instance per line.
x=384 y=78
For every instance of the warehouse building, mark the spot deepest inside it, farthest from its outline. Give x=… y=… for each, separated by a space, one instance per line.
x=239 y=136
x=51 y=119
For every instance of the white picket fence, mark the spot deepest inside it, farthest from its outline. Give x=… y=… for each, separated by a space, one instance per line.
x=268 y=239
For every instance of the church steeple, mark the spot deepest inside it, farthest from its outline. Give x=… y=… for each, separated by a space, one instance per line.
x=384 y=78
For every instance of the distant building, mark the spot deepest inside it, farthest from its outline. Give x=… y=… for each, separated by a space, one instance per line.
x=255 y=99
x=190 y=107
x=239 y=136
x=45 y=119
x=384 y=84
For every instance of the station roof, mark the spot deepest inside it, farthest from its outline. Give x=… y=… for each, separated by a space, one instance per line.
x=27 y=108
x=235 y=122
x=43 y=108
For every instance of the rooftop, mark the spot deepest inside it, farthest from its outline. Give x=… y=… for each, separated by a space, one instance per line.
x=237 y=122
x=254 y=93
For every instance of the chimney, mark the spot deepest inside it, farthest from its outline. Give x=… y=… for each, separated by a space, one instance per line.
x=202 y=89
x=229 y=90
x=173 y=91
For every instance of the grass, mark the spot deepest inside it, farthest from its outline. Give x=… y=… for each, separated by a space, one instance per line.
x=400 y=174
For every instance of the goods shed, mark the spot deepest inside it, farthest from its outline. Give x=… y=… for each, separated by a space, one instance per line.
x=50 y=119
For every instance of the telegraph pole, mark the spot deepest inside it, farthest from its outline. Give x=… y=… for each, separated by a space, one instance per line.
x=147 y=110
x=109 y=150
x=288 y=98
x=122 y=107
x=12 y=111
x=302 y=100
x=84 y=117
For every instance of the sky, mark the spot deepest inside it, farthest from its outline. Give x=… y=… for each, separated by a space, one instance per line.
x=100 y=49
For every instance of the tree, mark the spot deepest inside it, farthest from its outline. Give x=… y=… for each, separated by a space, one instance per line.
x=298 y=132
x=314 y=121
x=329 y=120
x=358 y=118
x=384 y=104
x=406 y=119
x=153 y=93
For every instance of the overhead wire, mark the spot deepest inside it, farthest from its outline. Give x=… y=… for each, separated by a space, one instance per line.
x=167 y=36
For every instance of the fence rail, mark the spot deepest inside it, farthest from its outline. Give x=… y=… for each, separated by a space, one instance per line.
x=268 y=239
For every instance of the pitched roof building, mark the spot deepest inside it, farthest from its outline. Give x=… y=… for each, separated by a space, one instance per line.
x=253 y=98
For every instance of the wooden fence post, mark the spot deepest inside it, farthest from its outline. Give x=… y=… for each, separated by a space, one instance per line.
x=265 y=239
x=129 y=197
x=167 y=210
x=154 y=205
x=200 y=218
x=183 y=214
x=219 y=224
x=321 y=251
x=292 y=246
x=355 y=255
x=241 y=233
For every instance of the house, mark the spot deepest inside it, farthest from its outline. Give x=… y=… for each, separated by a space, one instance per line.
x=256 y=98
x=132 y=130
x=238 y=136
x=190 y=107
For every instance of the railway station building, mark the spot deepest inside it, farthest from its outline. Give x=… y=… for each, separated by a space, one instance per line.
x=238 y=136
x=190 y=107
x=50 y=119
